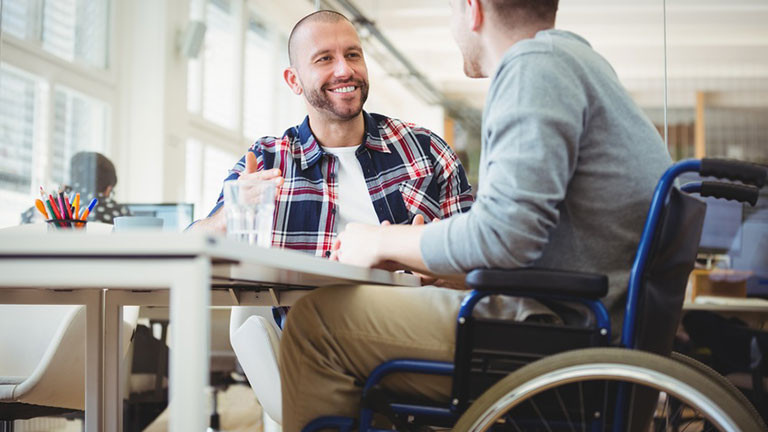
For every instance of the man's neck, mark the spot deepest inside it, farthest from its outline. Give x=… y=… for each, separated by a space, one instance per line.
x=499 y=41
x=334 y=133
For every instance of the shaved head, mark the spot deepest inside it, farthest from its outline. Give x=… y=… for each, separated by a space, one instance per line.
x=323 y=16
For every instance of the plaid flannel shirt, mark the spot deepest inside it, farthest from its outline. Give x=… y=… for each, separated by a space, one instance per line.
x=408 y=171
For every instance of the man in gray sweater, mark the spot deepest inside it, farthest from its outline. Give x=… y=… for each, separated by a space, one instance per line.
x=568 y=167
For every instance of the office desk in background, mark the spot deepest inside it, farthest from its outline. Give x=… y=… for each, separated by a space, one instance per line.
x=753 y=311
x=188 y=271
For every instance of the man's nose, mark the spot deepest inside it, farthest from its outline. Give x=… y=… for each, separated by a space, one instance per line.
x=343 y=69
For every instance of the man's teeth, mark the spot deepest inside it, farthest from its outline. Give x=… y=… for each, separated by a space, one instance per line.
x=344 y=89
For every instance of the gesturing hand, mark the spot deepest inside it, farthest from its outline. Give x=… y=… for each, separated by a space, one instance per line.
x=251 y=171
x=252 y=193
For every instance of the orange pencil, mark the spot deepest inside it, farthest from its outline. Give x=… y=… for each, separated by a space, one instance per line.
x=41 y=208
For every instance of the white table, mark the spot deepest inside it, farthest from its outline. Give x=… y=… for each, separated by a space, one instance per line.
x=178 y=268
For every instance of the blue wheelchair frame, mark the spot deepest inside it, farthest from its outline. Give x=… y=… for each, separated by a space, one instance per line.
x=602 y=318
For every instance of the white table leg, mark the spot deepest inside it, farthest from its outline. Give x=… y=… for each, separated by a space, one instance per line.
x=190 y=346
x=113 y=364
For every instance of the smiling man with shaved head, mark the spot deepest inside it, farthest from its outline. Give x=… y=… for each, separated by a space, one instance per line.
x=343 y=165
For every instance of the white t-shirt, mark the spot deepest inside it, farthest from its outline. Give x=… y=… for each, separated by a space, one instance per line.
x=354 y=203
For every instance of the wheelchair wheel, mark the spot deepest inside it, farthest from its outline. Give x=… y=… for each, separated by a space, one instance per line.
x=608 y=389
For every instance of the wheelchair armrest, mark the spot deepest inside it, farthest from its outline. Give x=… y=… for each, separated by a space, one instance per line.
x=539 y=282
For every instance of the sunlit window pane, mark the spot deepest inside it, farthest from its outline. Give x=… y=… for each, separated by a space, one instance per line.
x=76 y=30
x=80 y=123
x=17 y=129
x=219 y=85
x=259 y=77
x=15 y=17
x=207 y=167
x=216 y=166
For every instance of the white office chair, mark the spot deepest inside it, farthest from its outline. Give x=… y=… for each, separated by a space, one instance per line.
x=255 y=338
x=42 y=368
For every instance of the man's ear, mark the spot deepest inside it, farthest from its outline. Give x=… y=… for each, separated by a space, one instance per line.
x=292 y=79
x=476 y=14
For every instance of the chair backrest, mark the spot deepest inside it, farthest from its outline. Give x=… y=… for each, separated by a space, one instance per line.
x=26 y=333
x=56 y=378
x=43 y=352
x=671 y=260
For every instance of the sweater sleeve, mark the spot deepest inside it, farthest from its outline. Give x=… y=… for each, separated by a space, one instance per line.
x=532 y=124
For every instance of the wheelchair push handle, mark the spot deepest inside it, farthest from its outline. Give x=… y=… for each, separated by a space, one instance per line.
x=742 y=193
x=734 y=170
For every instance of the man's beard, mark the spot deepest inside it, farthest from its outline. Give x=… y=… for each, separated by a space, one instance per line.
x=321 y=101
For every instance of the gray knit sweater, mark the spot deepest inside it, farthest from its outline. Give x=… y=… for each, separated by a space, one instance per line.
x=568 y=166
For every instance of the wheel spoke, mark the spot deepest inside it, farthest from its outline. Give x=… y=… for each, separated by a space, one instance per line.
x=606 y=394
x=541 y=417
x=565 y=411
x=631 y=406
x=581 y=404
x=511 y=421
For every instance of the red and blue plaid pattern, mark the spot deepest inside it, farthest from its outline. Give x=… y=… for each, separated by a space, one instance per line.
x=408 y=171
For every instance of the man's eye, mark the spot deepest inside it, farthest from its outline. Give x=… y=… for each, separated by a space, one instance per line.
x=355 y=55
x=323 y=59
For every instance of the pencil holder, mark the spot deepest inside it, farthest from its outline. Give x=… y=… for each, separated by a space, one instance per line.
x=66 y=224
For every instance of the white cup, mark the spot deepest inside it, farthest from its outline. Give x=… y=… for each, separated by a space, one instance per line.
x=249 y=206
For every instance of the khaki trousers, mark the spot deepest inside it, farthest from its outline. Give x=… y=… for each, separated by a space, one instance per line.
x=335 y=336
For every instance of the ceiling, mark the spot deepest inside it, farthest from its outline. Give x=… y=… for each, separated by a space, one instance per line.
x=718 y=46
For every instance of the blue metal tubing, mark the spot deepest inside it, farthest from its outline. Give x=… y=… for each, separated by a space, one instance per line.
x=691 y=187
x=638 y=266
x=406 y=365
x=423 y=410
x=602 y=318
x=399 y=365
x=344 y=424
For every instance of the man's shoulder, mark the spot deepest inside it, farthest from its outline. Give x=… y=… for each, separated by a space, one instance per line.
x=389 y=124
x=273 y=144
x=399 y=133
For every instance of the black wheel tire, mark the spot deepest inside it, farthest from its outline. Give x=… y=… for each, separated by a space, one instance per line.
x=723 y=381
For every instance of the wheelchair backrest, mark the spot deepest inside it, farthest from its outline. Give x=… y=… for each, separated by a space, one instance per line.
x=670 y=261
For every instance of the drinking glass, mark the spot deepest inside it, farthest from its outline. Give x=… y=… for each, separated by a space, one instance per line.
x=249 y=206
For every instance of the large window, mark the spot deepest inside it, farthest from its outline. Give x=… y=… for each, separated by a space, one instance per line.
x=56 y=96
x=235 y=94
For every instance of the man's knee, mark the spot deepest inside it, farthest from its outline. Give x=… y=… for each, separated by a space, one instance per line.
x=307 y=313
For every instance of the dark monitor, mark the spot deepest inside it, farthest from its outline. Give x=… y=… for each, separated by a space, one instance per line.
x=176 y=216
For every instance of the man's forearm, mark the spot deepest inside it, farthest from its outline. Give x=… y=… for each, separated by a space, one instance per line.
x=401 y=243
x=214 y=223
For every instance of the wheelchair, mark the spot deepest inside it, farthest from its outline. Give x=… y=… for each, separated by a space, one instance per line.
x=533 y=376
